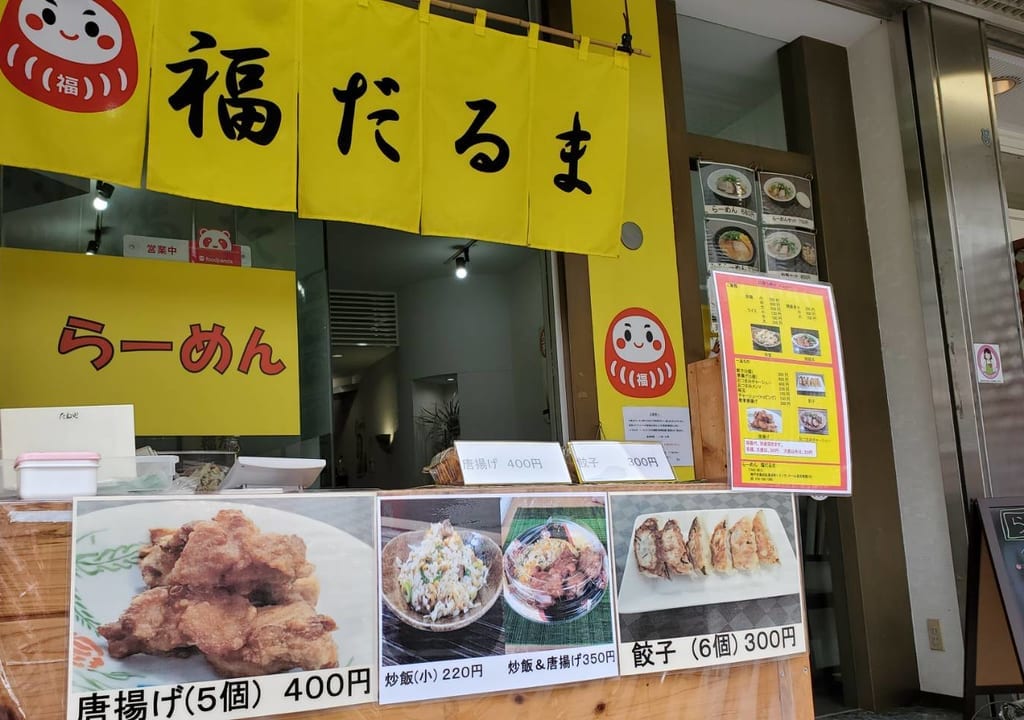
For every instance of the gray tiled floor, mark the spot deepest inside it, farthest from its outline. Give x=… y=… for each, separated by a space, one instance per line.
x=905 y=714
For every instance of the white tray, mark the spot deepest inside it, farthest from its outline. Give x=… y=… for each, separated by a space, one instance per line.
x=639 y=593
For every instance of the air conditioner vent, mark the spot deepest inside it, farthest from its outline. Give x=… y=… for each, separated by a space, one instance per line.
x=364 y=318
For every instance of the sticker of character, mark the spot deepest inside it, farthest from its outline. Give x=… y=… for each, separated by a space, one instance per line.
x=638 y=355
x=74 y=55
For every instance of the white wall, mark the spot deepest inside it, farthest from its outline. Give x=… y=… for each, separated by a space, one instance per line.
x=376 y=405
x=901 y=322
x=448 y=327
x=763 y=125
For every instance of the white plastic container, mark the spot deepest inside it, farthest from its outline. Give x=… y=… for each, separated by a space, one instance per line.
x=161 y=466
x=56 y=475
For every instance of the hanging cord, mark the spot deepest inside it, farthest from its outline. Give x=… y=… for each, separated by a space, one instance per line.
x=626 y=45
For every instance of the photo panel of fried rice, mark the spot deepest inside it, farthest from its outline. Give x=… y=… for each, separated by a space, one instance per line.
x=190 y=590
x=440 y=579
x=557 y=572
x=766 y=338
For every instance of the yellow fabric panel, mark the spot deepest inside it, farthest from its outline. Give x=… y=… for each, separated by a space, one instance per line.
x=223 y=113
x=359 y=154
x=580 y=118
x=644 y=278
x=76 y=102
x=476 y=102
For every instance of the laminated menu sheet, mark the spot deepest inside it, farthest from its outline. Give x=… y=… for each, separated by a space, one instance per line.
x=204 y=607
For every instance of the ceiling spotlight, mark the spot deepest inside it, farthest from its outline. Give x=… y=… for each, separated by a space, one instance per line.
x=461 y=271
x=101 y=201
x=93 y=247
x=1003 y=84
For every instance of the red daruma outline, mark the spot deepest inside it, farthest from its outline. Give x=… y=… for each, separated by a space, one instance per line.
x=74 y=55
x=638 y=355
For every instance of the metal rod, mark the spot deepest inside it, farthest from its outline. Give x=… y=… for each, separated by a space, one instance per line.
x=509 y=20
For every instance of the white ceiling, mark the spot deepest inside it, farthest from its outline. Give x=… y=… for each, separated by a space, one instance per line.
x=783 y=20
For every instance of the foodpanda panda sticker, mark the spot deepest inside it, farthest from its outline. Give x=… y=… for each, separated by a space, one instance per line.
x=214 y=247
x=638 y=355
x=74 y=55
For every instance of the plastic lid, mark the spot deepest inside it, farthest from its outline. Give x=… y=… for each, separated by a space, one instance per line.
x=56 y=456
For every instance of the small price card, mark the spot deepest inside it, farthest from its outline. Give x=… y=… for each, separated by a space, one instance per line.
x=512 y=463
x=598 y=461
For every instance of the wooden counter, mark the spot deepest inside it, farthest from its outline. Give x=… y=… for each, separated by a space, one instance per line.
x=34 y=596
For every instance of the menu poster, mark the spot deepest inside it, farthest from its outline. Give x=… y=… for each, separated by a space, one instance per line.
x=485 y=593
x=785 y=392
x=705 y=579
x=731 y=245
x=728 y=190
x=790 y=253
x=785 y=200
x=168 y=624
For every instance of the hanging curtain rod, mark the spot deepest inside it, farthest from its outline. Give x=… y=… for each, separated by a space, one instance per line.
x=509 y=20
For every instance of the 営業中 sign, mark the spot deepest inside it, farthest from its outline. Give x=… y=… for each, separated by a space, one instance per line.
x=785 y=392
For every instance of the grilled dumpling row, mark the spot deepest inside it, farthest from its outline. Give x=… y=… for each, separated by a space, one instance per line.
x=666 y=552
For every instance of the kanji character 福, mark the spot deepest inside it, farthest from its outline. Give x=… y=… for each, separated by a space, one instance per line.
x=572 y=153
x=241 y=117
x=247 y=118
x=255 y=348
x=482 y=161
x=190 y=94
x=348 y=97
x=70 y=340
x=200 y=347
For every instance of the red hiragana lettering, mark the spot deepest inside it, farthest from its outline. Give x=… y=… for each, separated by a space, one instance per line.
x=200 y=347
x=70 y=340
x=253 y=349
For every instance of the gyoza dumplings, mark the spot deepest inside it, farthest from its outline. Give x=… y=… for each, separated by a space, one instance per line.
x=665 y=552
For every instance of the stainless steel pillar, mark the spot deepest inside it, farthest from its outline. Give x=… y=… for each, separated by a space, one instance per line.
x=965 y=267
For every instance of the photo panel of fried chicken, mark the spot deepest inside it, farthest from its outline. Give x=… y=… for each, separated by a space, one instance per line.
x=190 y=590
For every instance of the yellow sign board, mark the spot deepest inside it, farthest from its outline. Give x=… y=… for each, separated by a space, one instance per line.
x=785 y=391
x=197 y=349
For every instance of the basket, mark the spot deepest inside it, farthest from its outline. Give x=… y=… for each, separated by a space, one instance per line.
x=445 y=468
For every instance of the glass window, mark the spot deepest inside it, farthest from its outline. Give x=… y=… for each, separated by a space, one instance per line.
x=731 y=84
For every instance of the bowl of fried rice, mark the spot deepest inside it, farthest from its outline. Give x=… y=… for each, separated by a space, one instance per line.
x=441 y=579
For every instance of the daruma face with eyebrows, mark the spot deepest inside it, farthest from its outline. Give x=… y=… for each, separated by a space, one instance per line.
x=76 y=55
